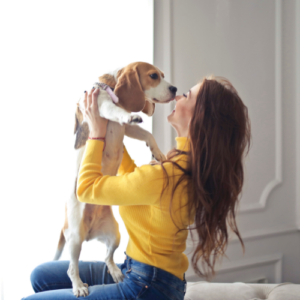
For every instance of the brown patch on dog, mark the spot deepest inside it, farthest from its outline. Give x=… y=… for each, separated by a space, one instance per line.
x=109 y=80
x=66 y=224
x=78 y=118
x=80 y=129
x=82 y=135
x=79 y=114
x=62 y=241
x=76 y=124
x=75 y=187
x=149 y=108
x=129 y=90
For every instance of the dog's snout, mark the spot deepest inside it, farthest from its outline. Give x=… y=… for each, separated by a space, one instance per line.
x=173 y=89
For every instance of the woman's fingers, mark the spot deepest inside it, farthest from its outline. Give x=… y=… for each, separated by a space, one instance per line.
x=94 y=99
x=96 y=124
x=89 y=101
x=85 y=100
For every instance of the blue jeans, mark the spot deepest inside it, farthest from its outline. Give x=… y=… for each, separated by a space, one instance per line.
x=50 y=281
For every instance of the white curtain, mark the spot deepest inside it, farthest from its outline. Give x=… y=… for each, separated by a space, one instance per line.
x=51 y=51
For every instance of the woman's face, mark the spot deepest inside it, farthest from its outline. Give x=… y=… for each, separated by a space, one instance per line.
x=182 y=114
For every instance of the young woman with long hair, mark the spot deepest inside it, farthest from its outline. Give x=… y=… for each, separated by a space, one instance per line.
x=197 y=188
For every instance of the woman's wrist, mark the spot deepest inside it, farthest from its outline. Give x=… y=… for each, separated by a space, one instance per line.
x=97 y=134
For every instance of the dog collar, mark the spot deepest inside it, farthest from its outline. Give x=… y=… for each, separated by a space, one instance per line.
x=107 y=88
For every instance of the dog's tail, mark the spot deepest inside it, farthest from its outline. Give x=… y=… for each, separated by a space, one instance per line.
x=60 y=246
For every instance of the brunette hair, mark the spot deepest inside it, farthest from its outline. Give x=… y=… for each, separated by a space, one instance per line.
x=219 y=137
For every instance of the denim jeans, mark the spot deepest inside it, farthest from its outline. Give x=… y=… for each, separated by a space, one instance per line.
x=50 y=281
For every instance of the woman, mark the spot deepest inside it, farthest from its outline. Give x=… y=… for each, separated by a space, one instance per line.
x=198 y=184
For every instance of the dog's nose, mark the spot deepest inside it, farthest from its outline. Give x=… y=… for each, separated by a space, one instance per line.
x=173 y=89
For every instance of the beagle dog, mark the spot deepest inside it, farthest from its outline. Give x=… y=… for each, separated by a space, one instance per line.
x=138 y=86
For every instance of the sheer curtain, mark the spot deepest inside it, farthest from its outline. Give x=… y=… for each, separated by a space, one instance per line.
x=51 y=51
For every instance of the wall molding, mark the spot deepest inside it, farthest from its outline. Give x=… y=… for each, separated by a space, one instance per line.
x=297 y=18
x=265 y=233
x=254 y=235
x=252 y=207
x=243 y=264
x=163 y=57
x=253 y=262
x=167 y=58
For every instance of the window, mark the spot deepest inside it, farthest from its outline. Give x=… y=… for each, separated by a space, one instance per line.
x=51 y=52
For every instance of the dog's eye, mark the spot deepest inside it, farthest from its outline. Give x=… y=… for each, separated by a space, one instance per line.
x=154 y=76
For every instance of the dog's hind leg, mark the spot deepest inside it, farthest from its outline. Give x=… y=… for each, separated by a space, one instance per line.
x=112 y=244
x=79 y=288
x=110 y=236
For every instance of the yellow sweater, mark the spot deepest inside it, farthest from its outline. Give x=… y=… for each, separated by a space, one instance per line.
x=137 y=190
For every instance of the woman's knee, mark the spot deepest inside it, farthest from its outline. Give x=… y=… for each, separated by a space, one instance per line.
x=50 y=276
x=37 y=277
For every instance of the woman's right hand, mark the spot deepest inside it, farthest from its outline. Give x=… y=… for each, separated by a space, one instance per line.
x=96 y=123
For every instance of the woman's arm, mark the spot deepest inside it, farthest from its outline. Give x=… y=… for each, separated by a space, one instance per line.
x=143 y=186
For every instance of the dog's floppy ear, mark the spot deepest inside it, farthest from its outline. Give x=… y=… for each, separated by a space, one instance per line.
x=149 y=108
x=109 y=80
x=129 y=90
x=80 y=129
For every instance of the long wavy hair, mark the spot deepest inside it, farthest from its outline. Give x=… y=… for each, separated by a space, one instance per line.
x=219 y=136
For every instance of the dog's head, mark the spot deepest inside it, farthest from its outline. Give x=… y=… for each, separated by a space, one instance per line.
x=139 y=86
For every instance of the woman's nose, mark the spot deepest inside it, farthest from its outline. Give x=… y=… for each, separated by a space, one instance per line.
x=177 y=97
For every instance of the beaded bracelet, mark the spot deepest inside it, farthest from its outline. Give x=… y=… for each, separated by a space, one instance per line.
x=97 y=138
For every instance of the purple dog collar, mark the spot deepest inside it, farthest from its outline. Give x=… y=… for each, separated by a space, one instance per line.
x=107 y=88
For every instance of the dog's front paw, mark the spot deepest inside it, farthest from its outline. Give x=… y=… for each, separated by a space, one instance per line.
x=135 y=119
x=157 y=154
x=80 y=290
x=116 y=274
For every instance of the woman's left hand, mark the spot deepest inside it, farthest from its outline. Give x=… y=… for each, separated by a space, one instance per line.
x=96 y=123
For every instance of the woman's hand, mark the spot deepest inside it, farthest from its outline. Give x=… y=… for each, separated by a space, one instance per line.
x=96 y=123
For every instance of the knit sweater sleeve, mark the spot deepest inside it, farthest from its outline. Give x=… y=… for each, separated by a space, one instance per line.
x=143 y=186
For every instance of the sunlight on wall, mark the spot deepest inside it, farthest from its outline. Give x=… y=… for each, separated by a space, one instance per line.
x=51 y=52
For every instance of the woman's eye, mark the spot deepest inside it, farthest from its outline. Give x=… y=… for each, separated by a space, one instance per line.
x=154 y=76
x=184 y=95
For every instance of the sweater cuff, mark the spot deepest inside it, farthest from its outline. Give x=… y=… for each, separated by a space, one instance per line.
x=93 y=151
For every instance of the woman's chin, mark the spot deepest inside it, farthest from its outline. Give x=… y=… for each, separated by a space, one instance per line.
x=171 y=115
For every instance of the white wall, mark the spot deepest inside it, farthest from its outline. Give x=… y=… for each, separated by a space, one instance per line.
x=253 y=44
x=51 y=51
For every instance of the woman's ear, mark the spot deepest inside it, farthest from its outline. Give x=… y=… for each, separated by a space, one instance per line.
x=129 y=90
x=81 y=129
x=149 y=108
